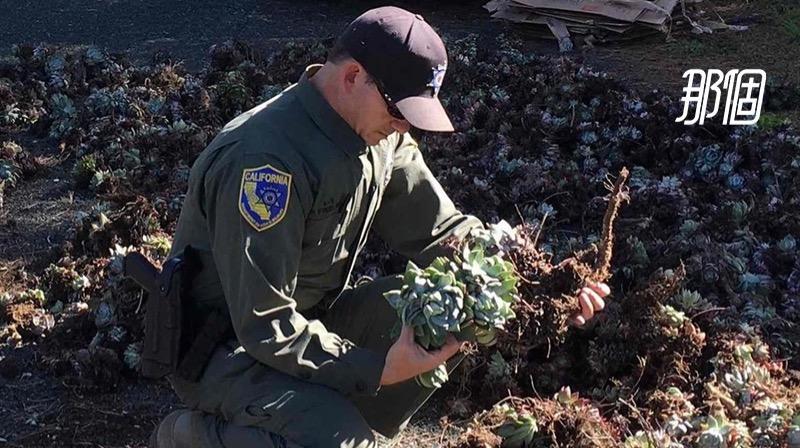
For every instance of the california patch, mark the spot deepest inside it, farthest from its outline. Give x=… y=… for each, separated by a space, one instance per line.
x=264 y=196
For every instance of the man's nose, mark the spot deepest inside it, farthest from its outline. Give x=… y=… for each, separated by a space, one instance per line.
x=401 y=126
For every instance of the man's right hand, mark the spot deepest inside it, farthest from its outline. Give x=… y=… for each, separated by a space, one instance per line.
x=407 y=359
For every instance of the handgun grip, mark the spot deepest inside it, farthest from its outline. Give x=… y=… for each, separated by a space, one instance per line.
x=139 y=268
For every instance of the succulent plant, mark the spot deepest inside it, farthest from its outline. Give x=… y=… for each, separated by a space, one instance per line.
x=470 y=296
x=64 y=115
x=793 y=434
x=677 y=427
x=104 y=315
x=787 y=244
x=715 y=433
x=35 y=295
x=648 y=439
x=639 y=255
x=737 y=211
x=132 y=356
x=518 y=430
x=690 y=301
x=498 y=367
x=80 y=283
x=84 y=170
x=118 y=253
x=95 y=56
x=431 y=301
x=160 y=244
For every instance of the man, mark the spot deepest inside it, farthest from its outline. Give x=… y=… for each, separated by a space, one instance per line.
x=278 y=207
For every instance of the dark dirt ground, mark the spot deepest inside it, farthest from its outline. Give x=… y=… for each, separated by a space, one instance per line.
x=37 y=409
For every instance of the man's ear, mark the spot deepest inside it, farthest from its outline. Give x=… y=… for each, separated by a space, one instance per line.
x=352 y=72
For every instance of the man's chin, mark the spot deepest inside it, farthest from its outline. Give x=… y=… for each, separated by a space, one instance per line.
x=375 y=139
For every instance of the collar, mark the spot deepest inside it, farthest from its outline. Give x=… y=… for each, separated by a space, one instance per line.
x=325 y=117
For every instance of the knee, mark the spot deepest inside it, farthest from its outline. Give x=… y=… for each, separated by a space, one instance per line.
x=337 y=425
x=353 y=433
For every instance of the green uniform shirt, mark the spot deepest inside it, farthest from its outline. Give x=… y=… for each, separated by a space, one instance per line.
x=280 y=204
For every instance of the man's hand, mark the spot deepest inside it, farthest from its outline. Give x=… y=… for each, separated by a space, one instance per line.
x=591 y=299
x=407 y=359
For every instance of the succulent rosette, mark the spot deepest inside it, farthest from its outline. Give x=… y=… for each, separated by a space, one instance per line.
x=469 y=296
x=431 y=301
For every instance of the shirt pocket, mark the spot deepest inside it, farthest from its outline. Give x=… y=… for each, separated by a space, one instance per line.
x=324 y=242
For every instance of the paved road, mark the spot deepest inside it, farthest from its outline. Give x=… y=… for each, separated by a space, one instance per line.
x=186 y=28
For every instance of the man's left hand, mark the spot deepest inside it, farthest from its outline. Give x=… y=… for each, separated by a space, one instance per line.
x=592 y=302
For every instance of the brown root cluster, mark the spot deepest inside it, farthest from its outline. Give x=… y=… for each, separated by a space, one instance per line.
x=549 y=293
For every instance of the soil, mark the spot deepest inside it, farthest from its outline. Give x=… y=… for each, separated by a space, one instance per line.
x=36 y=408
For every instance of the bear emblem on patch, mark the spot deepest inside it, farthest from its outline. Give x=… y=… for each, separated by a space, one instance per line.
x=264 y=196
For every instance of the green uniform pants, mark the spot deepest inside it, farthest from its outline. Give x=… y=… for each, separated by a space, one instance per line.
x=250 y=402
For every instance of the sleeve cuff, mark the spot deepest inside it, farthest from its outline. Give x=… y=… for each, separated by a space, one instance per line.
x=364 y=370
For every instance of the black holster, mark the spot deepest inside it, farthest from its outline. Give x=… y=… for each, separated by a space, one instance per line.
x=174 y=342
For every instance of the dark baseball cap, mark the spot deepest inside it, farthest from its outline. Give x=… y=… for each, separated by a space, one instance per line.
x=401 y=51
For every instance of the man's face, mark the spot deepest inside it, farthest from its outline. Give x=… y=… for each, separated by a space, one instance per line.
x=370 y=113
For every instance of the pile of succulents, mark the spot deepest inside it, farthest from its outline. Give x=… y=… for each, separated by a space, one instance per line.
x=699 y=341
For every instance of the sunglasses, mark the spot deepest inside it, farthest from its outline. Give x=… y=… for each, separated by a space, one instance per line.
x=390 y=106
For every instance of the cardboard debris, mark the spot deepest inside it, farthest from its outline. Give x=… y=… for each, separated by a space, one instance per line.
x=602 y=20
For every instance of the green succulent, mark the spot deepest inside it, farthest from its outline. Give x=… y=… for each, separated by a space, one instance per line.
x=491 y=286
x=793 y=435
x=12 y=115
x=677 y=427
x=433 y=379
x=647 y=439
x=80 y=283
x=469 y=296
x=787 y=244
x=95 y=56
x=735 y=263
x=99 y=178
x=714 y=434
x=639 y=255
x=690 y=301
x=737 y=211
x=84 y=170
x=498 y=367
x=64 y=115
x=118 y=253
x=132 y=356
x=62 y=107
x=672 y=317
x=160 y=244
x=233 y=94
x=743 y=353
x=518 y=430
x=494 y=237
x=689 y=226
x=565 y=397
x=718 y=431
x=34 y=295
x=750 y=282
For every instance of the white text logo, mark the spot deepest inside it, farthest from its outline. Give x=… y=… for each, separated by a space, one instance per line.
x=744 y=93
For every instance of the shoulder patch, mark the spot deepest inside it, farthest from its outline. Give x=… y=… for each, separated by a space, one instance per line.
x=264 y=196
